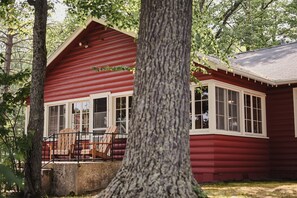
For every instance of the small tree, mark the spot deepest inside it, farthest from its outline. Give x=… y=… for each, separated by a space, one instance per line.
x=36 y=118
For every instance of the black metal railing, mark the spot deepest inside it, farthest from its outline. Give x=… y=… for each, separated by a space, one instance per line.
x=83 y=146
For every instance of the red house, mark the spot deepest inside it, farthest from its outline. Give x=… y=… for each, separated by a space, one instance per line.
x=243 y=124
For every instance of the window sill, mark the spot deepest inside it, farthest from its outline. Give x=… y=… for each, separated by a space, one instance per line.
x=228 y=133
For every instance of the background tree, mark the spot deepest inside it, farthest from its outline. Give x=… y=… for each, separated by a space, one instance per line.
x=15 y=37
x=36 y=118
x=240 y=25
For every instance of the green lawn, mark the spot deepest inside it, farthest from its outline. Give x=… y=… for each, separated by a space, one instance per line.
x=267 y=189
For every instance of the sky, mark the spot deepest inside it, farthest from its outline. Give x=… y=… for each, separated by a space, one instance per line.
x=59 y=12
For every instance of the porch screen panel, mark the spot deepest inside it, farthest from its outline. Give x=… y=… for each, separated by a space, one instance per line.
x=100 y=115
x=56 y=119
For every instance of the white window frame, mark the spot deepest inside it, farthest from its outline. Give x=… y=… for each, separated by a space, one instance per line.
x=58 y=123
x=212 y=84
x=114 y=97
x=192 y=98
x=98 y=96
x=295 y=109
x=67 y=113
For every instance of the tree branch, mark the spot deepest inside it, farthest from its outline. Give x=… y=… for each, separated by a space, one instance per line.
x=227 y=15
x=263 y=7
x=31 y=2
x=22 y=40
x=201 y=5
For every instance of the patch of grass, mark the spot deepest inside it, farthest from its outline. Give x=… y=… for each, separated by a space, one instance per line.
x=269 y=189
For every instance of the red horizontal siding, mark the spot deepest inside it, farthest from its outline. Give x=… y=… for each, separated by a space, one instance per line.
x=280 y=127
x=72 y=75
x=213 y=157
x=220 y=157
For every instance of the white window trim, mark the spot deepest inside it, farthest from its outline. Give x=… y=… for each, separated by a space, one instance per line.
x=295 y=109
x=67 y=113
x=97 y=96
x=113 y=109
x=211 y=105
x=212 y=110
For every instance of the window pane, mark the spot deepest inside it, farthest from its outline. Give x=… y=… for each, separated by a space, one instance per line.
x=56 y=119
x=227 y=109
x=198 y=107
x=80 y=116
x=53 y=120
x=198 y=122
x=123 y=112
x=220 y=122
x=220 y=108
x=248 y=126
x=62 y=117
x=233 y=108
x=201 y=108
x=100 y=113
x=253 y=114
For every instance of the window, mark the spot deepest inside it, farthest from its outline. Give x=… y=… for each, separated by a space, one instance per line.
x=100 y=115
x=123 y=113
x=56 y=119
x=199 y=108
x=227 y=109
x=252 y=114
x=80 y=116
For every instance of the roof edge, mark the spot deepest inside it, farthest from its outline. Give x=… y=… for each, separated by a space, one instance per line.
x=216 y=64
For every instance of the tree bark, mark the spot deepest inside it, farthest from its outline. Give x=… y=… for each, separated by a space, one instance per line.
x=36 y=118
x=157 y=162
x=8 y=54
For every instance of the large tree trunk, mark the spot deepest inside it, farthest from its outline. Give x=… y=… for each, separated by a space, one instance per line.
x=36 y=118
x=157 y=162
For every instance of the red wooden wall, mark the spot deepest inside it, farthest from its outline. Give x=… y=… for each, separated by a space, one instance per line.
x=280 y=127
x=73 y=77
x=223 y=158
x=213 y=157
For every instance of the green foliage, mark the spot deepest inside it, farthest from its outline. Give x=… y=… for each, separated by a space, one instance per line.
x=8 y=177
x=117 y=68
x=58 y=32
x=15 y=90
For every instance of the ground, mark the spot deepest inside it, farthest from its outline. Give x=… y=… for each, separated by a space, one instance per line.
x=271 y=189
x=265 y=189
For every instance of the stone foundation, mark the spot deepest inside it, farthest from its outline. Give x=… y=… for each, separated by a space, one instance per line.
x=77 y=179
